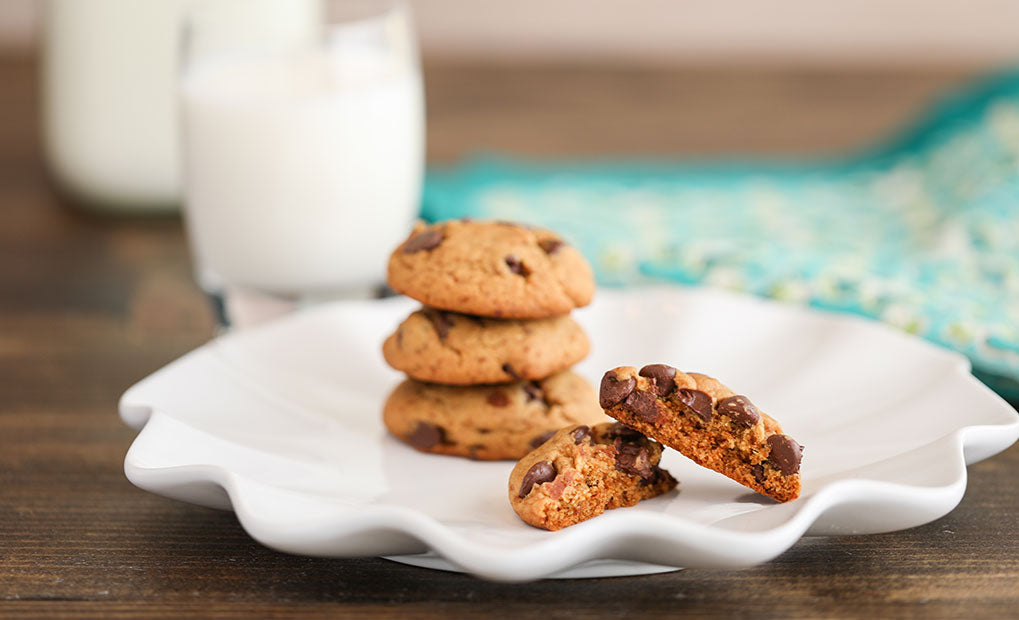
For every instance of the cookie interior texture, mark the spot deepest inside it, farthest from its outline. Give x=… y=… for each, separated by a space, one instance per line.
x=439 y=346
x=707 y=422
x=581 y=471
x=494 y=269
x=489 y=422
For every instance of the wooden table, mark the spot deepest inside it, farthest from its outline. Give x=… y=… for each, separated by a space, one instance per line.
x=88 y=305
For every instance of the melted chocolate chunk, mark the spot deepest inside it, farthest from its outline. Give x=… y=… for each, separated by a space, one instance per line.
x=551 y=246
x=663 y=378
x=758 y=472
x=426 y=436
x=497 y=398
x=581 y=433
x=517 y=266
x=644 y=405
x=785 y=454
x=542 y=438
x=698 y=402
x=427 y=240
x=657 y=475
x=613 y=391
x=623 y=432
x=539 y=473
x=740 y=410
x=441 y=320
x=634 y=459
x=534 y=392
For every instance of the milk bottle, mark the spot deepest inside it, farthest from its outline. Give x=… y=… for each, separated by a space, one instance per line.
x=109 y=82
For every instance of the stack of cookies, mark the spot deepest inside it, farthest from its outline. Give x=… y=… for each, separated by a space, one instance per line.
x=488 y=355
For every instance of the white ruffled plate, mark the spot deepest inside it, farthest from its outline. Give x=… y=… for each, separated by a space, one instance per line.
x=282 y=424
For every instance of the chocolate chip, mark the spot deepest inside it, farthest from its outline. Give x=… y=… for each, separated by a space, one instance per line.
x=740 y=409
x=658 y=475
x=613 y=391
x=542 y=438
x=517 y=266
x=758 y=472
x=534 y=392
x=624 y=432
x=426 y=436
x=581 y=433
x=785 y=454
x=698 y=402
x=427 y=240
x=506 y=368
x=663 y=378
x=473 y=451
x=440 y=320
x=497 y=398
x=644 y=405
x=551 y=246
x=539 y=473
x=634 y=459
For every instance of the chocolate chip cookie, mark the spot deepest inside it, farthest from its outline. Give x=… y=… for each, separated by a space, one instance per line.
x=583 y=471
x=708 y=423
x=489 y=422
x=459 y=349
x=493 y=269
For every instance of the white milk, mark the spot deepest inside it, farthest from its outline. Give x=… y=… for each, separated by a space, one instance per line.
x=303 y=170
x=109 y=80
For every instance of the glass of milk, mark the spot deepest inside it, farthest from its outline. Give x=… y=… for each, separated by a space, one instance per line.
x=303 y=149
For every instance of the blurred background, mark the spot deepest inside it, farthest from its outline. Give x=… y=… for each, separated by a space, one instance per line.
x=860 y=32
x=879 y=106
x=883 y=59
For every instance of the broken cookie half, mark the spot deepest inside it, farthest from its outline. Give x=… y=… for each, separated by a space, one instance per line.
x=580 y=472
x=708 y=423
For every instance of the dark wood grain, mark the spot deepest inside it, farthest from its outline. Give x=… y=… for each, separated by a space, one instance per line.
x=88 y=305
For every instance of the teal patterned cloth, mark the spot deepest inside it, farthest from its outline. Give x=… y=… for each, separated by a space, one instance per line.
x=922 y=233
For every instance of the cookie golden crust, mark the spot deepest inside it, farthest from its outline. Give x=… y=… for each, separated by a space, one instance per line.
x=489 y=422
x=708 y=423
x=583 y=471
x=456 y=349
x=492 y=269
